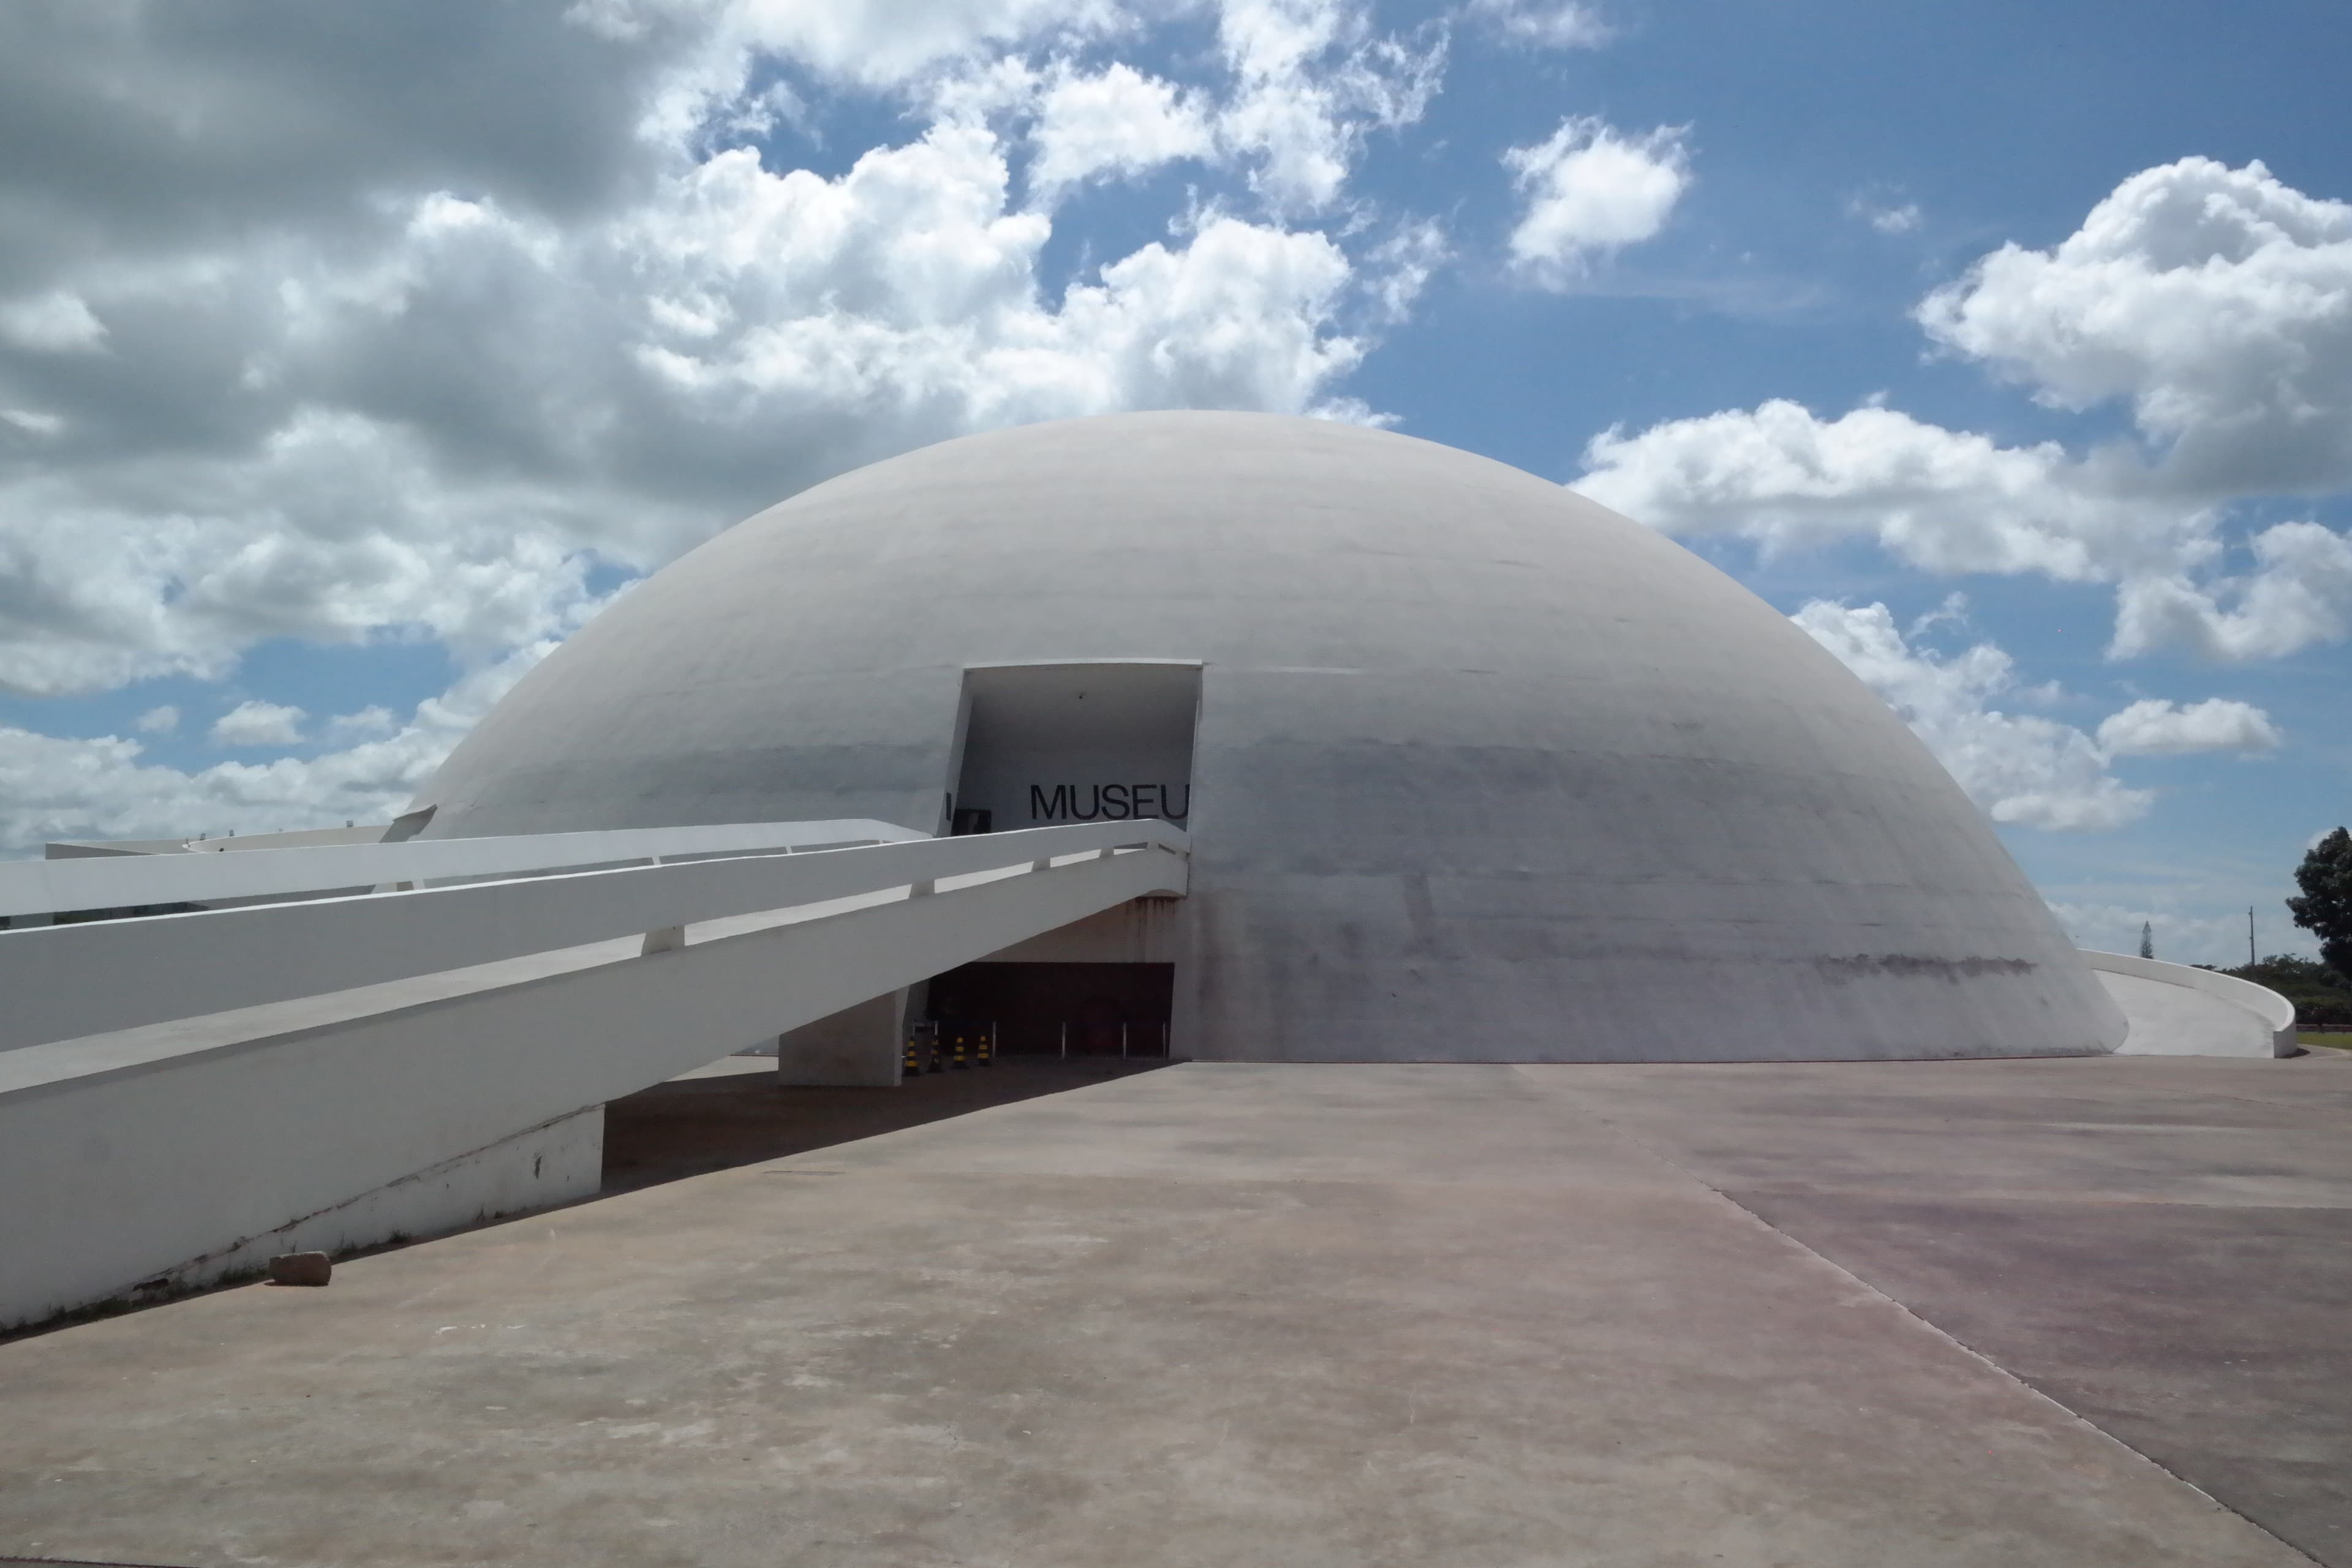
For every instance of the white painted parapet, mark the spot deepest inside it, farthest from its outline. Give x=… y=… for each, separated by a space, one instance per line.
x=179 y=1150
x=85 y=979
x=2176 y=1009
x=123 y=881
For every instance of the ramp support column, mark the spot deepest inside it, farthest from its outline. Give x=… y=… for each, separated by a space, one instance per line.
x=857 y=1048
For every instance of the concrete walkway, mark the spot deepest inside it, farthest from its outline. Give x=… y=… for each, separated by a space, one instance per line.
x=2169 y=1020
x=1305 y=1316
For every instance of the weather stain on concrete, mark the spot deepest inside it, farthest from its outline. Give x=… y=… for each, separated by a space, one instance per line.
x=1863 y=965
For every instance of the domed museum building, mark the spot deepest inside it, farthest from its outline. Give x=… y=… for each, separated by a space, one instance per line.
x=1474 y=769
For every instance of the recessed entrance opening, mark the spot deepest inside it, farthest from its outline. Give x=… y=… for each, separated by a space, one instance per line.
x=1057 y=1009
x=1045 y=743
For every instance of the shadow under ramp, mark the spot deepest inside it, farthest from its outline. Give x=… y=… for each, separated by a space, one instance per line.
x=693 y=1126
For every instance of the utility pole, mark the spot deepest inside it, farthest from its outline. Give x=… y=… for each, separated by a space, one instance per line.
x=2251 y=959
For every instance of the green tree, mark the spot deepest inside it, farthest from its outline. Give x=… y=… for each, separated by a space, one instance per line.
x=2326 y=908
x=2148 y=938
x=2320 y=994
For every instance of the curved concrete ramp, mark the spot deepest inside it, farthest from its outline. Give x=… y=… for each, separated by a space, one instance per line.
x=2177 y=1010
x=2174 y=1021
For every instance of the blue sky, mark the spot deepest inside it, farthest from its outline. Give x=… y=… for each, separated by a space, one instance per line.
x=351 y=356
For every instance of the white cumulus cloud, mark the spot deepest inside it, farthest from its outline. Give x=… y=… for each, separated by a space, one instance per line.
x=157 y=722
x=435 y=323
x=2155 y=727
x=258 y=723
x=1310 y=83
x=373 y=719
x=2300 y=593
x=1402 y=265
x=1116 y=121
x=900 y=304
x=440 y=431
x=2022 y=768
x=1543 y=24
x=2181 y=935
x=32 y=421
x=1590 y=189
x=53 y=787
x=1889 y=220
x=56 y=323
x=2216 y=302
x=888 y=43
x=1942 y=500
x=1954 y=502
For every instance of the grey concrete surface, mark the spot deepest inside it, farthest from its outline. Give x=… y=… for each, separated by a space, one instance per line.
x=2162 y=1245
x=1207 y=1315
x=704 y=1121
x=861 y=1047
x=1466 y=744
x=730 y=1066
x=2175 y=1021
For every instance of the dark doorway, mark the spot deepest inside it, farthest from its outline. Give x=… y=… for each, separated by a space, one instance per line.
x=1052 y=1009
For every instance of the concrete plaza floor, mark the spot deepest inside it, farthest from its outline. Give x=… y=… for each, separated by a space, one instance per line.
x=2060 y=1313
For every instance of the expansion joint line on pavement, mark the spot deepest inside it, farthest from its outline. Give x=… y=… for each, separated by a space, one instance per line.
x=1565 y=1098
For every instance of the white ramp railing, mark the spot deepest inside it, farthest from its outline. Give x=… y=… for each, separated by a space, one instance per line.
x=129 y=881
x=68 y=981
x=182 y=1148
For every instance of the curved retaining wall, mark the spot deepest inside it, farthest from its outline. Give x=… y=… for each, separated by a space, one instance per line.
x=2273 y=1013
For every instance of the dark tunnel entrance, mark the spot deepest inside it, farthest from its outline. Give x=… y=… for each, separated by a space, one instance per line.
x=1061 y=1009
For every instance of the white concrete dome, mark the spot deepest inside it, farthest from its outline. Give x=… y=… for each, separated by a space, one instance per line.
x=1475 y=770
